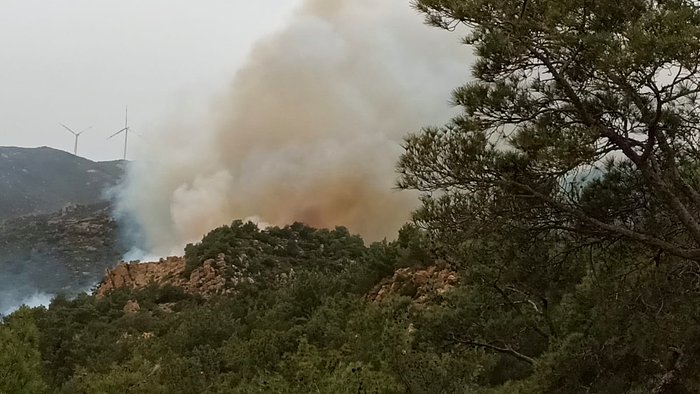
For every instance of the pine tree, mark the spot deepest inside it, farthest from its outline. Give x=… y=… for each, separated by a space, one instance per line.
x=567 y=92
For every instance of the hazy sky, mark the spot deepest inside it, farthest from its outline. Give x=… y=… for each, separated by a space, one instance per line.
x=79 y=62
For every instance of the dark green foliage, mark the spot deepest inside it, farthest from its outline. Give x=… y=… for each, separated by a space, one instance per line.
x=276 y=250
x=567 y=190
x=564 y=91
x=20 y=360
x=566 y=194
x=312 y=328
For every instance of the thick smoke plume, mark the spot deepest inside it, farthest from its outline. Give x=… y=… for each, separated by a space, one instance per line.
x=310 y=129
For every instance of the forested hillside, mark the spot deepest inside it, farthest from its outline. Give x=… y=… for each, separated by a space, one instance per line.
x=298 y=317
x=563 y=204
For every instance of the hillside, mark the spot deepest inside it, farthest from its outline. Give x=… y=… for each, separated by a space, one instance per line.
x=63 y=252
x=556 y=247
x=246 y=310
x=44 y=180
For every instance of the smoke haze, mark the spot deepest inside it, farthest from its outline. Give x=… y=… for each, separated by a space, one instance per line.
x=33 y=301
x=309 y=129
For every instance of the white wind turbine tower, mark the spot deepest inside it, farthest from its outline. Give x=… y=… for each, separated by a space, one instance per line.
x=125 y=130
x=76 y=134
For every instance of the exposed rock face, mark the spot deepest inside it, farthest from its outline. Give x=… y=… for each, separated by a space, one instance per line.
x=216 y=277
x=132 y=307
x=206 y=280
x=135 y=276
x=421 y=284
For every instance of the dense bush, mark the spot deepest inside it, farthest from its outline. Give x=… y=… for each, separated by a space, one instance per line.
x=566 y=193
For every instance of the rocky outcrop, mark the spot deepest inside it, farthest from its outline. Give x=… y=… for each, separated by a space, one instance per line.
x=131 y=307
x=136 y=276
x=423 y=285
x=206 y=280
x=217 y=277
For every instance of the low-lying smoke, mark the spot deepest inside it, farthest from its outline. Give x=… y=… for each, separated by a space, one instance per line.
x=28 y=282
x=35 y=300
x=309 y=130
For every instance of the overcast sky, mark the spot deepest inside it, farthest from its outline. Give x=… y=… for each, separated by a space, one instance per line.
x=79 y=62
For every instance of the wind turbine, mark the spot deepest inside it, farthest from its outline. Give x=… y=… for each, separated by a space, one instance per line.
x=125 y=130
x=76 y=134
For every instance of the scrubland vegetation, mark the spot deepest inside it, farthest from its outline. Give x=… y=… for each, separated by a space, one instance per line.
x=566 y=195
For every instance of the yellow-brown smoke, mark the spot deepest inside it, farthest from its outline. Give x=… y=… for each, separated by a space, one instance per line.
x=309 y=130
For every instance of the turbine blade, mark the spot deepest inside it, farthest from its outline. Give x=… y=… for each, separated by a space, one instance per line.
x=117 y=133
x=84 y=130
x=68 y=128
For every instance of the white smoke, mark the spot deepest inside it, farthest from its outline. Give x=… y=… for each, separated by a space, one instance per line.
x=32 y=301
x=309 y=130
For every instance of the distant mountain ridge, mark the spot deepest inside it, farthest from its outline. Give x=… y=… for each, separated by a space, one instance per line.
x=43 y=180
